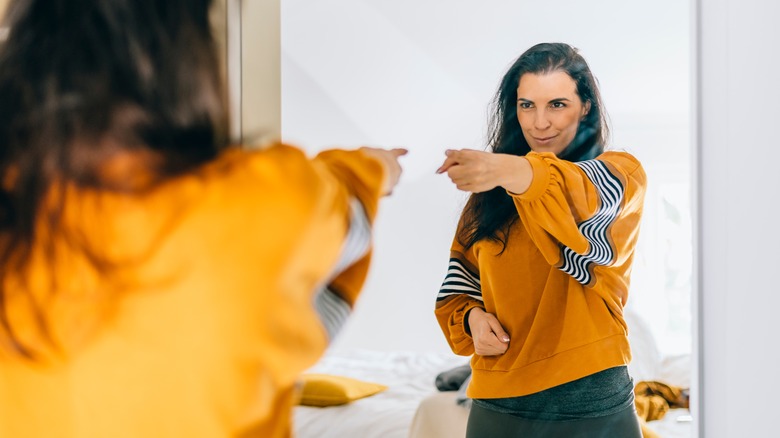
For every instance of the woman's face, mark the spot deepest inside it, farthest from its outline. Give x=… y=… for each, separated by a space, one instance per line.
x=549 y=110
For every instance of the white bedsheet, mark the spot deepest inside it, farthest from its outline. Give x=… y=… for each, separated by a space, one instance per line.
x=409 y=376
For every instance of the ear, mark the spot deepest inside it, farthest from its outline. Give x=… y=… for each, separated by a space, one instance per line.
x=585 y=109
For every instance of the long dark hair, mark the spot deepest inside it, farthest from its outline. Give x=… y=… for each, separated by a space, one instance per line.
x=84 y=80
x=489 y=215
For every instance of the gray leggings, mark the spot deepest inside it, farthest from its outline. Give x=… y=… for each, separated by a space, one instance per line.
x=485 y=423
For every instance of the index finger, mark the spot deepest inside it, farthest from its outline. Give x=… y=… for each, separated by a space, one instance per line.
x=448 y=162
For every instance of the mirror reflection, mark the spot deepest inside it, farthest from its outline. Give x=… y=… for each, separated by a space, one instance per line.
x=422 y=77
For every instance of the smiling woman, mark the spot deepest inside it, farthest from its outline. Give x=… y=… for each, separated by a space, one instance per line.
x=558 y=235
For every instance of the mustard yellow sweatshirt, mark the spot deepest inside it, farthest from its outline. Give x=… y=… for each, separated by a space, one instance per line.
x=560 y=286
x=228 y=282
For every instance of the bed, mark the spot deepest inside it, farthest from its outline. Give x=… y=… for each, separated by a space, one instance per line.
x=412 y=407
x=409 y=377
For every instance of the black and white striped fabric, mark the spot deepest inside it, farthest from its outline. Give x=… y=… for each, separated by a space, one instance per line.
x=611 y=193
x=458 y=281
x=332 y=309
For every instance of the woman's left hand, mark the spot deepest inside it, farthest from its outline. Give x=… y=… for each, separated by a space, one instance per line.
x=479 y=171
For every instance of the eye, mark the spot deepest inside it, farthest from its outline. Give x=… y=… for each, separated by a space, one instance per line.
x=525 y=105
x=558 y=105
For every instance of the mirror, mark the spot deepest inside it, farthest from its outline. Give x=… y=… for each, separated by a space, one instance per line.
x=421 y=75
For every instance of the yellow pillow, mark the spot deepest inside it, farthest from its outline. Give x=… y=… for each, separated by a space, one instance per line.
x=328 y=390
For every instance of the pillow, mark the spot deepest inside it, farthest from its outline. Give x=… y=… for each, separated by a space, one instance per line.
x=646 y=361
x=676 y=370
x=329 y=390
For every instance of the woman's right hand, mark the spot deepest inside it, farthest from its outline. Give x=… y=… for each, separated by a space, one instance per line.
x=490 y=339
x=389 y=158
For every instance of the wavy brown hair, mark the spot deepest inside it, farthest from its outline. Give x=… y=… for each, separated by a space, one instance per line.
x=84 y=80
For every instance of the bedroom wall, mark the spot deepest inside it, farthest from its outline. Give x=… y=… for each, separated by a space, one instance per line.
x=738 y=224
x=419 y=75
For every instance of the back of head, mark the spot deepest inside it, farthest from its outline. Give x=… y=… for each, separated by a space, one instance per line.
x=141 y=73
x=84 y=81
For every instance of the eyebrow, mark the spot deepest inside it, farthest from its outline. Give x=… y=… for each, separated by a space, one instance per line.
x=557 y=99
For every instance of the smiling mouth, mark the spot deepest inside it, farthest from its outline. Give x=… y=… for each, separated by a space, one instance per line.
x=544 y=139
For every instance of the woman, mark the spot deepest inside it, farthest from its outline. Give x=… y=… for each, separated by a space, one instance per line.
x=540 y=264
x=155 y=282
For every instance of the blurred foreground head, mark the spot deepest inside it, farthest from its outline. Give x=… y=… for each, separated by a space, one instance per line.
x=82 y=79
x=88 y=83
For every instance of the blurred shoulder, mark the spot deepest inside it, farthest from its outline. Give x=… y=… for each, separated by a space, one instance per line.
x=274 y=155
x=276 y=166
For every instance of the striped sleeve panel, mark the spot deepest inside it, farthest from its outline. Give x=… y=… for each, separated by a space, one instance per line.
x=600 y=251
x=460 y=280
x=332 y=309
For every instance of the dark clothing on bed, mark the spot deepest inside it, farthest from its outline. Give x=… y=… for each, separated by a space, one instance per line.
x=452 y=380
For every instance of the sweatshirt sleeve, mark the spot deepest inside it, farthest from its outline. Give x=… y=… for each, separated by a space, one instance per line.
x=460 y=292
x=302 y=234
x=363 y=177
x=584 y=217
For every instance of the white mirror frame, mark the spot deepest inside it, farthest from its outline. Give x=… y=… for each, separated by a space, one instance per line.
x=696 y=394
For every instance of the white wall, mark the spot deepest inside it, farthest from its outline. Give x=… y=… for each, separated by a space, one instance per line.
x=409 y=74
x=420 y=74
x=738 y=222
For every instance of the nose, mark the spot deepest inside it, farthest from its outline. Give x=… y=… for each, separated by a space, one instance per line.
x=541 y=122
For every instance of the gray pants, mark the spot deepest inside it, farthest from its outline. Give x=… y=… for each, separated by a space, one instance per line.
x=485 y=423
